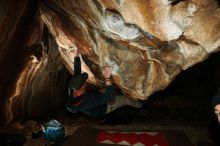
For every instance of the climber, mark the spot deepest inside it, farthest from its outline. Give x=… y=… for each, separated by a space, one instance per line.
x=216 y=103
x=94 y=103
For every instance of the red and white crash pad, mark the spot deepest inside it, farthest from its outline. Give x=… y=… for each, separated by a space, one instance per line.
x=132 y=138
x=89 y=136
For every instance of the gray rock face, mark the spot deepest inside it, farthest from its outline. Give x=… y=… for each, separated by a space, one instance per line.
x=146 y=42
x=116 y=25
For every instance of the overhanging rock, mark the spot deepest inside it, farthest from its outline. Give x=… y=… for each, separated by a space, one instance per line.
x=146 y=42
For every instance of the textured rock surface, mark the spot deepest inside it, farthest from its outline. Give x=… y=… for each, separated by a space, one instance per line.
x=33 y=77
x=146 y=42
x=16 y=21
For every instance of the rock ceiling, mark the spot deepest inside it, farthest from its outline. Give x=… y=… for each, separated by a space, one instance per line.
x=146 y=42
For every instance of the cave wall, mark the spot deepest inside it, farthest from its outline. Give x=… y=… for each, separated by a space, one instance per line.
x=33 y=77
x=148 y=43
x=41 y=86
x=16 y=21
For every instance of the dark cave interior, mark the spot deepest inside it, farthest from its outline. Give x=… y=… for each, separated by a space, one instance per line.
x=184 y=105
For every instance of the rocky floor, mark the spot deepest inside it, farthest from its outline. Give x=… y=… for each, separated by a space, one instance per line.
x=158 y=114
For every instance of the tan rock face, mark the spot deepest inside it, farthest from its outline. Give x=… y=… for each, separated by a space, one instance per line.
x=147 y=42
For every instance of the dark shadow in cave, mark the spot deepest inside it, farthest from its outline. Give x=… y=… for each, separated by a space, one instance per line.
x=186 y=101
x=11 y=68
x=174 y=2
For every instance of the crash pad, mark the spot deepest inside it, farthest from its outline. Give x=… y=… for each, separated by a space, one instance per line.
x=89 y=136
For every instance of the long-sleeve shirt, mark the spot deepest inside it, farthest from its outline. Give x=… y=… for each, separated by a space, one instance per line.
x=91 y=103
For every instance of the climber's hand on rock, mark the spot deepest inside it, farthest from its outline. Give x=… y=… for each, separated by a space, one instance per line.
x=78 y=52
x=217 y=111
x=107 y=72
